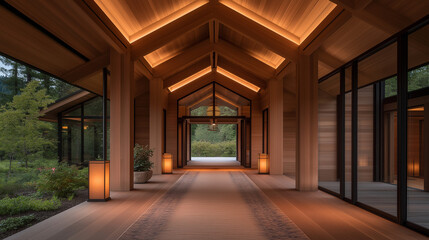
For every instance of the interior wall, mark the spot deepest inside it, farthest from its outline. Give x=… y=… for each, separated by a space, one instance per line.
x=142 y=119
x=256 y=144
x=327 y=137
x=289 y=122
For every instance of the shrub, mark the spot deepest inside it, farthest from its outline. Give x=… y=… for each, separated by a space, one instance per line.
x=15 y=223
x=221 y=149
x=62 y=181
x=11 y=206
x=141 y=158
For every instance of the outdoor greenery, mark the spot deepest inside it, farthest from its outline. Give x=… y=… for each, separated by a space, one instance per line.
x=15 y=223
x=21 y=204
x=142 y=155
x=62 y=181
x=31 y=179
x=221 y=149
x=417 y=79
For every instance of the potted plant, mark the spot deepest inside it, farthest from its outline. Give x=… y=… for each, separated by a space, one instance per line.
x=142 y=164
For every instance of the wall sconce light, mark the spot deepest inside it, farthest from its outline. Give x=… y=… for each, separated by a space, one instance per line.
x=167 y=163
x=65 y=127
x=263 y=164
x=99 y=181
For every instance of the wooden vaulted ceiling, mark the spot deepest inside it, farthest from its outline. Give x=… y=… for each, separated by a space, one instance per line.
x=172 y=40
x=176 y=39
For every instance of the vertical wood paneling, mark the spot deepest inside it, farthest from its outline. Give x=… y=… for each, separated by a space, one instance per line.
x=275 y=129
x=327 y=137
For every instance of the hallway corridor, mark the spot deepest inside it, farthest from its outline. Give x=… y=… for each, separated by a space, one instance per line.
x=217 y=204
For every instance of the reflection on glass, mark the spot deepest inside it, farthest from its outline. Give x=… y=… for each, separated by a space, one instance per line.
x=329 y=165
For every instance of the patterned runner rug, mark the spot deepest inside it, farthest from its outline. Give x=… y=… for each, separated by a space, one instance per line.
x=214 y=205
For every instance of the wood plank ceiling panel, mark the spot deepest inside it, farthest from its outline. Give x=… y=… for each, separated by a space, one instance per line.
x=177 y=46
x=24 y=42
x=352 y=39
x=67 y=21
x=251 y=47
x=298 y=17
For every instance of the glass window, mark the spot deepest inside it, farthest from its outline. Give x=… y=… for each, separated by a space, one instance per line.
x=418 y=131
x=329 y=161
x=376 y=178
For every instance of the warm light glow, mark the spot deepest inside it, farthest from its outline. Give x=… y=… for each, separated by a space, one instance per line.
x=99 y=180
x=417 y=109
x=263 y=164
x=238 y=79
x=167 y=163
x=190 y=79
x=65 y=127
x=85 y=127
x=264 y=22
x=317 y=18
x=121 y=23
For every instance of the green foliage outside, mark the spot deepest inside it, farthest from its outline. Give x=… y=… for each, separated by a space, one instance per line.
x=221 y=149
x=417 y=79
x=15 y=223
x=142 y=155
x=62 y=181
x=21 y=204
x=220 y=143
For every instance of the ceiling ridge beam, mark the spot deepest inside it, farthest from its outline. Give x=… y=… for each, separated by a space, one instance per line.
x=257 y=32
x=172 y=30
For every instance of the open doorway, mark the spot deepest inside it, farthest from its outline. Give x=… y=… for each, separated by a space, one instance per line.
x=214 y=145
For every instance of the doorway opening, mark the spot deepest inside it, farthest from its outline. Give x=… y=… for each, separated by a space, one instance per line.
x=213 y=145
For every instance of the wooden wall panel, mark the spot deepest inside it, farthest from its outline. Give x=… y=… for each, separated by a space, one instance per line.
x=289 y=121
x=256 y=146
x=327 y=136
x=365 y=133
x=142 y=119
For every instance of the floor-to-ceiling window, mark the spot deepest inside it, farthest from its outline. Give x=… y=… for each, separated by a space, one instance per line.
x=373 y=147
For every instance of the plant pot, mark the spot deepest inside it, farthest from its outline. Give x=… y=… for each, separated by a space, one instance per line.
x=142 y=177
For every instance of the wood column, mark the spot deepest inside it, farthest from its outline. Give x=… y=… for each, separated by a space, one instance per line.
x=307 y=124
x=121 y=121
x=426 y=149
x=155 y=122
x=275 y=118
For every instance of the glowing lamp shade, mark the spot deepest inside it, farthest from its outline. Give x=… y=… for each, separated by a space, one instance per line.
x=263 y=164
x=99 y=180
x=167 y=163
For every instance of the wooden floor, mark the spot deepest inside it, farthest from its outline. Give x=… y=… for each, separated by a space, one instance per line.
x=318 y=214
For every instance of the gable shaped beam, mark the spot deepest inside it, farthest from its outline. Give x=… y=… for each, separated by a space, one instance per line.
x=336 y=18
x=248 y=62
x=172 y=30
x=87 y=68
x=202 y=64
x=253 y=30
x=193 y=86
x=240 y=72
x=237 y=87
x=184 y=60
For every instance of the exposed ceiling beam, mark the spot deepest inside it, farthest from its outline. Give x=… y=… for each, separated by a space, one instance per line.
x=184 y=60
x=259 y=33
x=87 y=68
x=211 y=31
x=248 y=62
x=386 y=20
x=189 y=71
x=172 y=30
x=142 y=70
x=240 y=72
x=193 y=86
x=231 y=84
x=107 y=29
x=336 y=18
x=281 y=70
